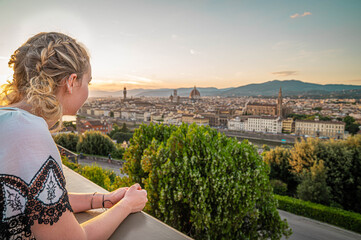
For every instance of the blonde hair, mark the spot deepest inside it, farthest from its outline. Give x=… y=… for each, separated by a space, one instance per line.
x=41 y=65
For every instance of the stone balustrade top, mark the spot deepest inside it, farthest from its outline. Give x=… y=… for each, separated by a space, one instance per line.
x=136 y=226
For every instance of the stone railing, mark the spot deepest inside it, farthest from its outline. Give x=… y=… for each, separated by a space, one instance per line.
x=136 y=226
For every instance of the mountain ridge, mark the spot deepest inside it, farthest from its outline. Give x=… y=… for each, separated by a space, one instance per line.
x=271 y=88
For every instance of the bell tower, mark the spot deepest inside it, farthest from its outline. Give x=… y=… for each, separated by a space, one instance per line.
x=125 y=93
x=279 y=103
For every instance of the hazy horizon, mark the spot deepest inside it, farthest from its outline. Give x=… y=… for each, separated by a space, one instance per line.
x=207 y=43
x=223 y=87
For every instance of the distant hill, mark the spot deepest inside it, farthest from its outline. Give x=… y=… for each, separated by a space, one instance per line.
x=290 y=88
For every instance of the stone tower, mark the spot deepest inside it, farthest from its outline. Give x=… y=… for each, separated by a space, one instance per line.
x=279 y=103
x=125 y=93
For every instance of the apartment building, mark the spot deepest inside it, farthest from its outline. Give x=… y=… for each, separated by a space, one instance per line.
x=264 y=124
x=288 y=125
x=331 y=129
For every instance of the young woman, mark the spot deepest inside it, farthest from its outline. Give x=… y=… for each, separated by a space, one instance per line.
x=51 y=76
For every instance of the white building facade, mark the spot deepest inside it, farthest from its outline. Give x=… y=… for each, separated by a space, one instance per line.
x=264 y=124
x=236 y=124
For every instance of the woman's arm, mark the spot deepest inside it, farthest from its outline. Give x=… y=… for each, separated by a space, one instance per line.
x=81 y=202
x=100 y=227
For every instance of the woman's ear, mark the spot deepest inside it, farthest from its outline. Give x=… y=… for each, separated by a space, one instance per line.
x=71 y=82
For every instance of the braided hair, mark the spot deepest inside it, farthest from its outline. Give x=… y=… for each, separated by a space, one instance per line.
x=41 y=65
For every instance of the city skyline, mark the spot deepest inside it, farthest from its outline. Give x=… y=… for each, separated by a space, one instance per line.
x=173 y=44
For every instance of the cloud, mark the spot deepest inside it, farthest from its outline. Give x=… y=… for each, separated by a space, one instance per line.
x=194 y=52
x=296 y=15
x=285 y=73
x=116 y=83
x=288 y=45
x=141 y=79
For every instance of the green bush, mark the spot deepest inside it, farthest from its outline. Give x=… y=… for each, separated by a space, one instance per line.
x=121 y=137
x=94 y=142
x=279 y=187
x=118 y=152
x=203 y=183
x=279 y=161
x=313 y=186
x=67 y=140
x=335 y=216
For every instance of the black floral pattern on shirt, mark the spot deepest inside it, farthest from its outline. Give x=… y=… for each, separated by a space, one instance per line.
x=43 y=200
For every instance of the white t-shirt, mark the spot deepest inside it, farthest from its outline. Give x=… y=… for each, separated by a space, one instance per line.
x=32 y=184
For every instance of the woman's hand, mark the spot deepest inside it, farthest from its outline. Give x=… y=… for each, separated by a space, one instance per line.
x=110 y=199
x=135 y=198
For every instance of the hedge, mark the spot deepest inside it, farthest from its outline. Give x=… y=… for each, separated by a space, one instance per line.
x=331 y=215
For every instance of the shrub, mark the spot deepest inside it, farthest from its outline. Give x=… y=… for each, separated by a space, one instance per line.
x=67 y=140
x=94 y=142
x=314 y=187
x=118 y=152
x=279 y=187
x=279 y=161
x=121 y=136
x=96 y=175
x=335 y=216
x=203 y=183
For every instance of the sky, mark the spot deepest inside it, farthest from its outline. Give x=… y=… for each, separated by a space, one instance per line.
x=207 y=43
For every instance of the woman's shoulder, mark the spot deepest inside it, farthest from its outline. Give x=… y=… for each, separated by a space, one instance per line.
x=16 y=119
x=26 y=144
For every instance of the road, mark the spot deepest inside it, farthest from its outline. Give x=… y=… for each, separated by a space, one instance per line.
x=308 y=229
x=104 y=165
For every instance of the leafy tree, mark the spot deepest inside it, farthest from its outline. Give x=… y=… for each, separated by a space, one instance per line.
x=94 y=142
x=204 y=183
x=279 y=161
x=324 y=118
x=304 y=154
x=342 y=159
x=266 y=148
x=114 y=130
x=120 y=137
x=67 y=140
x=279 y=187
x=111 y=114
x=124 y=128
x=118 y=152
x=141 y=139
x=314 y=186
x=349 y=120
x=351 y=126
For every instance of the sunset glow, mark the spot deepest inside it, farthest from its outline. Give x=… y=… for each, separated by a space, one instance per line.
x=173 y=44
